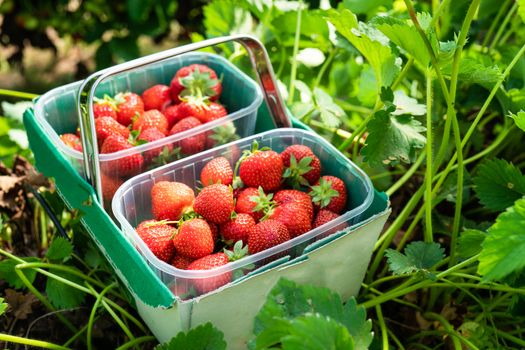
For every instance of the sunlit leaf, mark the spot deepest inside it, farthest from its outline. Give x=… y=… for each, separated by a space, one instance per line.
x=519 y=119
x=504 y=248
x=418 y=256
x=203 y=337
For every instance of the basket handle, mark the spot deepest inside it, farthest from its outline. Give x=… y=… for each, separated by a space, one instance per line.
x=260 y=62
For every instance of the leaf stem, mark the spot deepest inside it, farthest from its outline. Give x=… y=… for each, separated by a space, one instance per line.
x=448 y=327
x=503 y=9
x=512 y=338
x=428 y=235
x=18 y=94
x=293 y=72
x=92 y=315
x=406 y=174
x=136 y=341
x=325 y=66
x=503 y=25
x=382 y=326
x=31 y=342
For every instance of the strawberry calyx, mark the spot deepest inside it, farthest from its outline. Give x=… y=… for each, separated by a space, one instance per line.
x=224 y=134
x=238 y=252
x=263 y=203
x=198 y=83
x=198 y=99
x=167 y=156
x=293 y=174
x=323 y=193
x=106 y=100
x=120 y=98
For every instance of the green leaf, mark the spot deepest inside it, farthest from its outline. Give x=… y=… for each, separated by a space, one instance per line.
x=60 y=249
x=365 y=6
x=61 y=295
x=504 y=248
x=288 y=301
x=407 y=105
x=470 y=243
x=3 y=306
x=392 y=138
x=226 y=18
x=317 y=332
x=139 y=10
x=354 y=318
x=405 y=35
x=8 y=274
x=521 y=9
x=498 y=184
x=418 y=256
x=330 y=112
x=203 y=337
x=519 y=119
x=473 y=72
x=370 y=42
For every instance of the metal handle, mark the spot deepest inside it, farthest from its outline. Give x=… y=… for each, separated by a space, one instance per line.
x=261 y=64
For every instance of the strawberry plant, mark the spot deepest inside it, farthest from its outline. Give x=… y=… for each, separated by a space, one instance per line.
x=428 y=97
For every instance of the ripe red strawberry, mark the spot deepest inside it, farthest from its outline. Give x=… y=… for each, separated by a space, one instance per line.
x=105 y=107
x=173 y=114
x=150 y=135
x=170 y=200
x=267 y=234
x=180 y=261
x=324 y=216
x=106 y=126
x=202 y=109
x=238 y=229
x=294 y=196
x=110 y=185
x=329 y=193
x=205 y=285
x=294 y=217
x=156 y=97
x=72 y=141
x=158 y=238
x=129 y=105
x=125 y=166
x=302 y=167
x=217 y=170
x=261 y=168
x=195 y=79
x=215 y=203
x=151 y=119
x=193 y=144
x=194 y=239
x=214 y=231
x=254 y=202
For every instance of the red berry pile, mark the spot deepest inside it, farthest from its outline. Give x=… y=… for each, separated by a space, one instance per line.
x=269 y=198
x=127 y=120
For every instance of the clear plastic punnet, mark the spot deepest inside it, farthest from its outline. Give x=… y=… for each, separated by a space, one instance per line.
x=57 y=113
x=132 y=205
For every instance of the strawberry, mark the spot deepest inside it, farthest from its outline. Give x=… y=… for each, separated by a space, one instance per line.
x=221 y=135
x=294 y=217
x=180 y=261
x=173 y=114
x=294 y=196
x=193 y=144
x=195 y=79
x=158 y=238
x=72 y=141
x=217 y=170
x=302 y=167
x=329 y=193
x=238 y=229
x=156 y=97
x=266 y=234
x=207 y=284
x=106 y=126
x=194 y=239
x=150 y=135
x=215 y=203
x=261 y=168
x=105 y=107
x=202 y=109
x=125 y=166
x=214 y=231
x=110 y=185
x=151 y=119
x=254 y=202
x=324 y=216
x=170 y=200
x=129 y=105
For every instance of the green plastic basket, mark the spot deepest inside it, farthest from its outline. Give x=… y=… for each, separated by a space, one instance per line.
x=162 y=311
